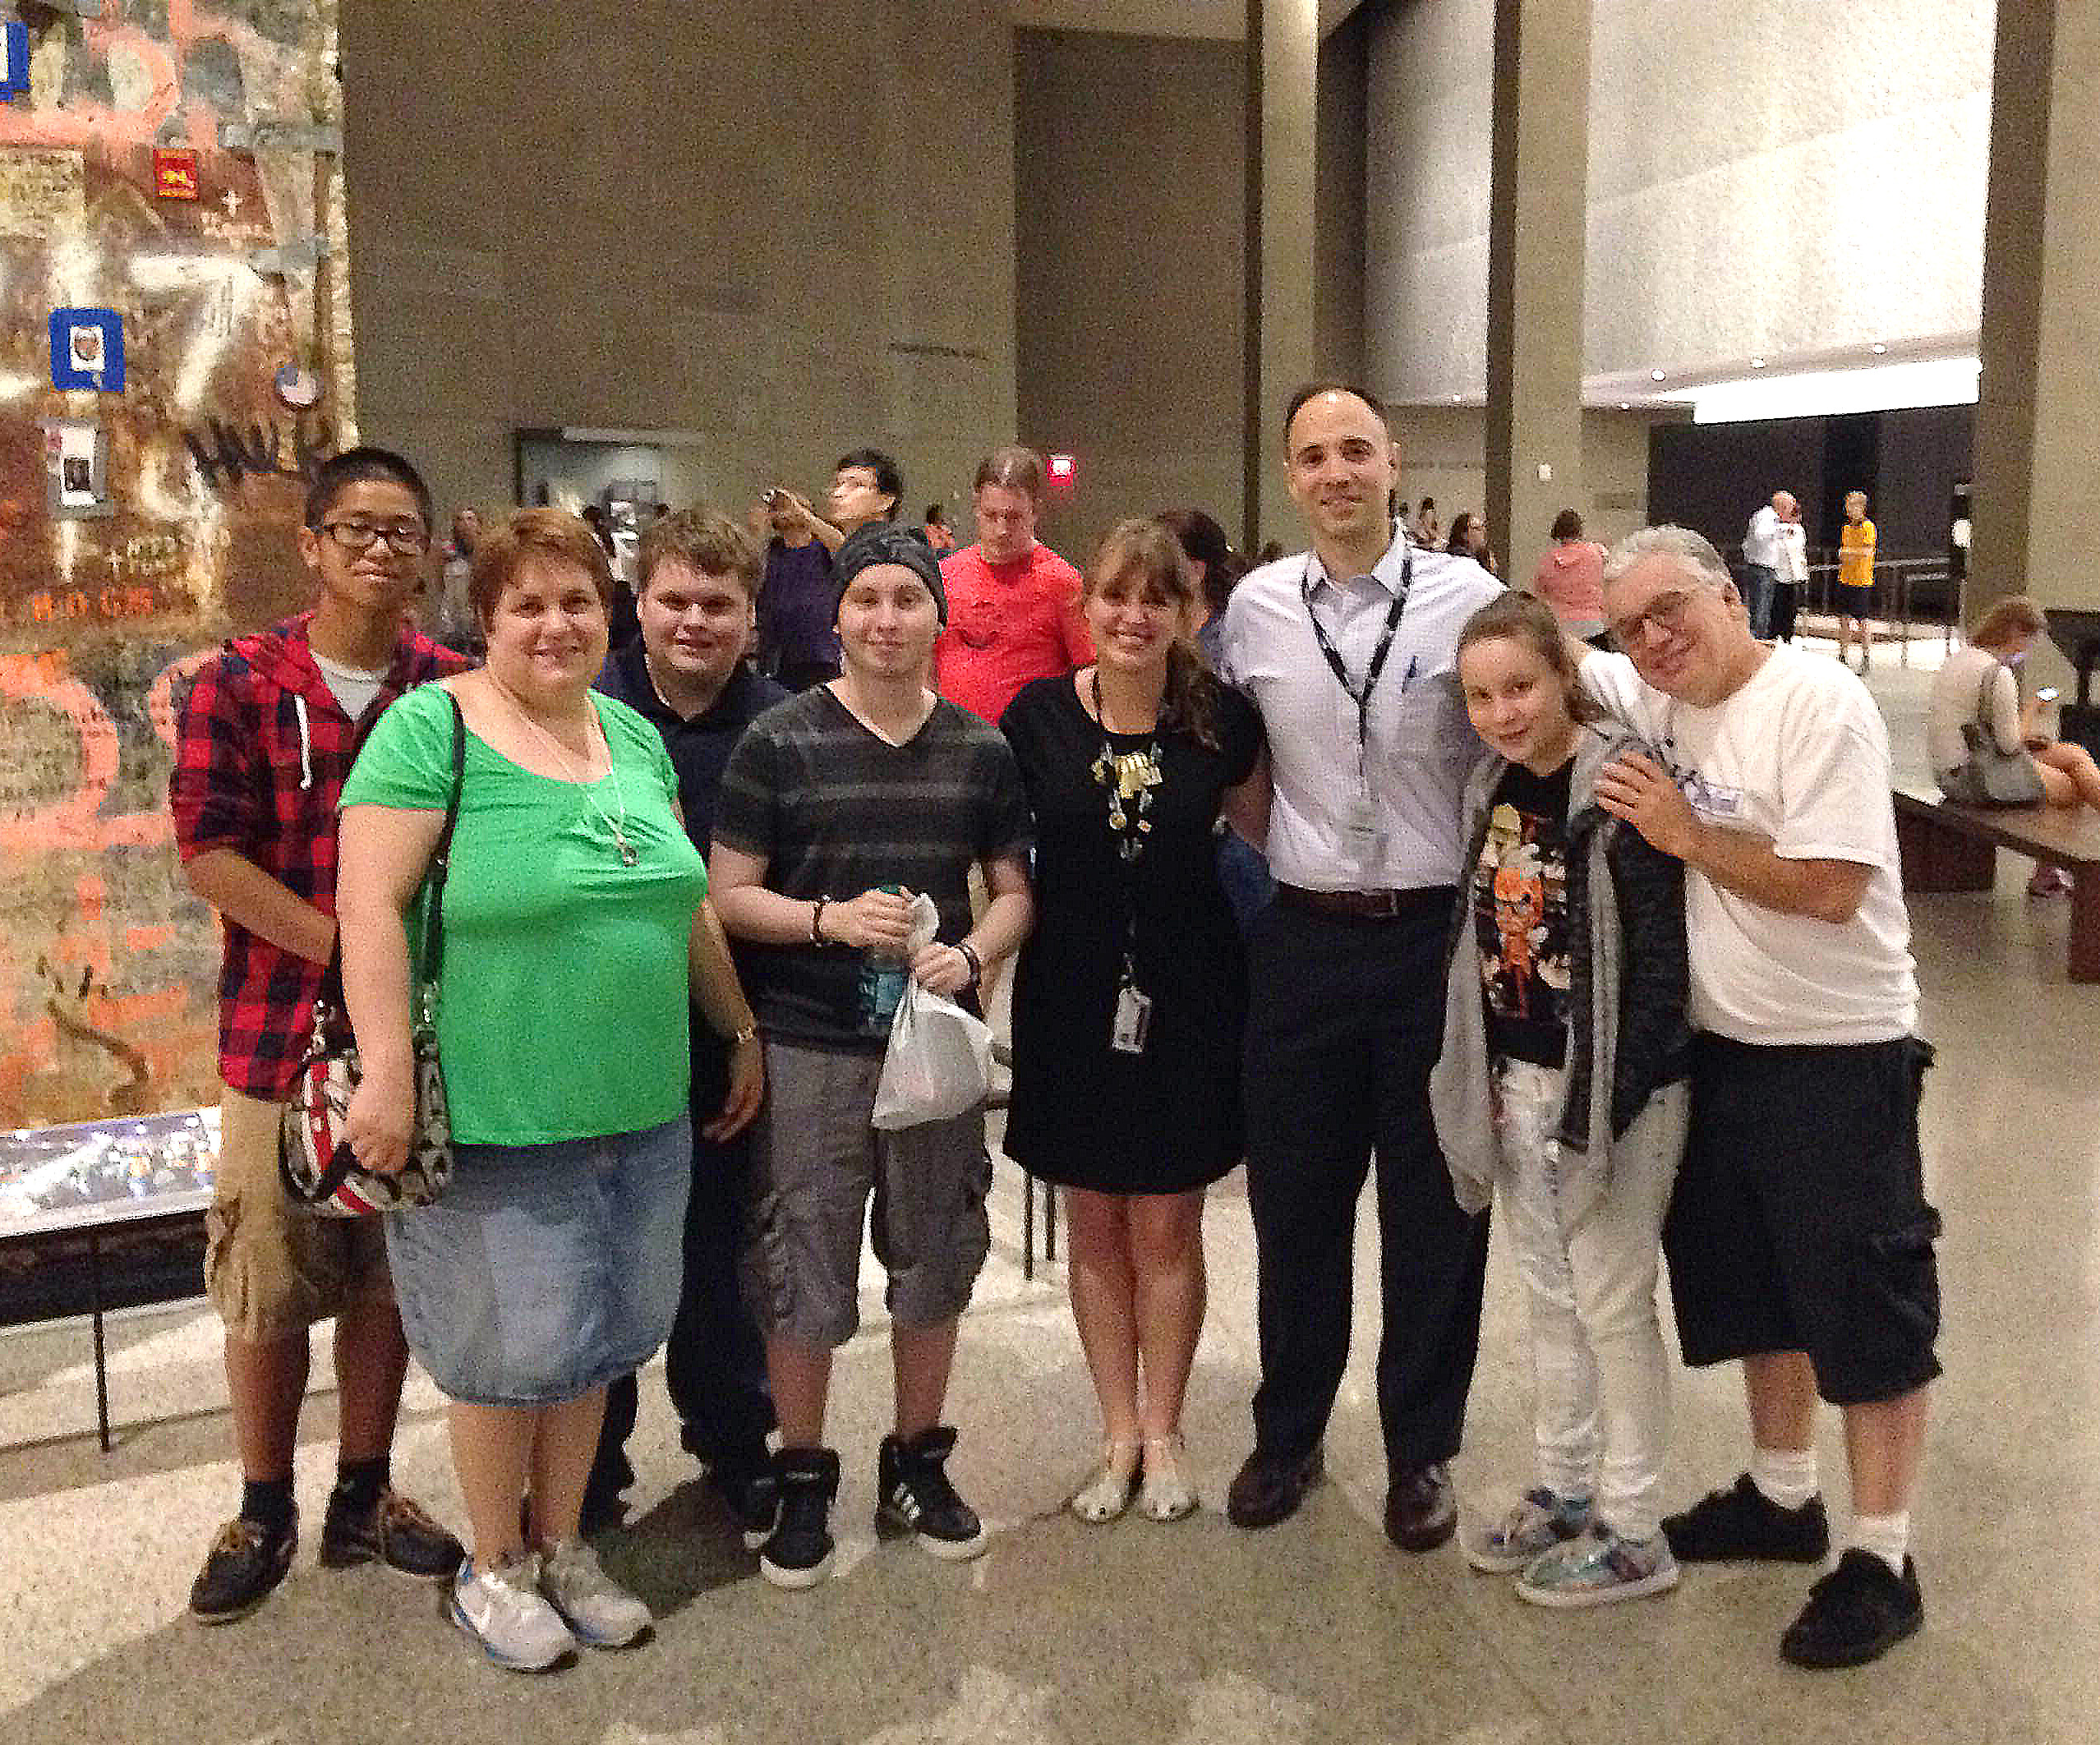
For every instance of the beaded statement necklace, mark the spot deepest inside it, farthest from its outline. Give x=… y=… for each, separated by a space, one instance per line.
x=1130 y=778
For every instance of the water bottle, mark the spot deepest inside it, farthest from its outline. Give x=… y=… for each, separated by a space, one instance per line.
x=882 y=983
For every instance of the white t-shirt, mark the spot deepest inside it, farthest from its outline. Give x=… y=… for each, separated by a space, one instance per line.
x=353 y=690
x=1957 y=693
x=1799 y=755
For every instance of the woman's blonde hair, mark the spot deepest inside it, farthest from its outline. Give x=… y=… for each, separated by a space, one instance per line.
x=552 y=534
x=1525 y=617
x=2017 y=615
x=1149 y=553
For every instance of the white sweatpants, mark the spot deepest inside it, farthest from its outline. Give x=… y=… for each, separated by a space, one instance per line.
x=1600 y=1372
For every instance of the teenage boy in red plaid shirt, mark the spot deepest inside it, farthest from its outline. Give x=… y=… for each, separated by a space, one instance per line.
x=267 y=734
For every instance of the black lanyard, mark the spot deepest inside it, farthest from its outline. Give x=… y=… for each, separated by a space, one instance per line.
x=1360 y=698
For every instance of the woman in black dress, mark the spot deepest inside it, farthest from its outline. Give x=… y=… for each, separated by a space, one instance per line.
x=1131 y=995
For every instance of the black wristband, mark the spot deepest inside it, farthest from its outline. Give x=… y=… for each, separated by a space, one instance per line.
x=976 y=963
x=816 y=923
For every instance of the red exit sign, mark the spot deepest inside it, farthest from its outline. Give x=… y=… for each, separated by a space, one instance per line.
x=1064 y=471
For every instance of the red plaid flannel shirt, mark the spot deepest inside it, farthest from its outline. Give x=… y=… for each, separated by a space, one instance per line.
x=260 y=760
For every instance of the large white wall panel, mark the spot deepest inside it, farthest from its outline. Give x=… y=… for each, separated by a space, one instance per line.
x=1768 y=177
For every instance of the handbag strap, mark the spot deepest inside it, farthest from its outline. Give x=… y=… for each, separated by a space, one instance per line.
x=441 y=855
x=1983 y=692
x=329 y=996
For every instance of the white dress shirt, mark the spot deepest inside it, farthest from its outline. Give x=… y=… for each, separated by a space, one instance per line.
x=1420 y=745
x=1760 y=541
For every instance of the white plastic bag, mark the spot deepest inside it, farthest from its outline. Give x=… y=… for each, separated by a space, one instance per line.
x=938 y=1064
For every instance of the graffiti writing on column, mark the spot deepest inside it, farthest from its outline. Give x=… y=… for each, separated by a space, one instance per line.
x=223 y=455
x=108 y=605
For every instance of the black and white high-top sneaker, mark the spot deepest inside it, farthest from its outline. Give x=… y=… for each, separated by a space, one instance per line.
x=798 y=1553
x=913 y=1496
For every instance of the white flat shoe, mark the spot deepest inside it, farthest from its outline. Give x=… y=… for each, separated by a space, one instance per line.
x=1106 y=1493
x=1165 y=1493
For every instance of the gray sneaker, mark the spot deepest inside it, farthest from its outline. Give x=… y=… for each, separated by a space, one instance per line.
x=501 y=1608
x=1532 y=1525
x=602 y=1613
x=1599 y=1568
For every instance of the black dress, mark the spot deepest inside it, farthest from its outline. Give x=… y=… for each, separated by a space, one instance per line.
x=1168 y=1120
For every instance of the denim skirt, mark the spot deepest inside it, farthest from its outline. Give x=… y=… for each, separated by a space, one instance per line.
x=546 y=1270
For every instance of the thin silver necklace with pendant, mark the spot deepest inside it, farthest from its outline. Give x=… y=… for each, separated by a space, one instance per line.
x=628 y=854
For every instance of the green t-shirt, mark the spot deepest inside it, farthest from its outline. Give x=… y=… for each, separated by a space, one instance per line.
x=562 y=1004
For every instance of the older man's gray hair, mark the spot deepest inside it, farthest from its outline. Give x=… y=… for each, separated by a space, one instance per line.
x=1694 y=552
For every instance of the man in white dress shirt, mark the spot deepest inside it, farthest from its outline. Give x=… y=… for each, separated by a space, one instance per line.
x=1762 y=554
x=1347 y=651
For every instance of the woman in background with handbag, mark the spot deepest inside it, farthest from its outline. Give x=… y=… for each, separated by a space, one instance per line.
x=1984 y=749
x=1132 y=992
x=572 y=917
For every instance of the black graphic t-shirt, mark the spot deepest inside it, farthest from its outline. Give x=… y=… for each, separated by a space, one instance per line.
x=1520 y=916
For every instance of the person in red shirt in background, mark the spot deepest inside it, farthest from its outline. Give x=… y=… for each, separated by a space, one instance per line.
x=1013 y=605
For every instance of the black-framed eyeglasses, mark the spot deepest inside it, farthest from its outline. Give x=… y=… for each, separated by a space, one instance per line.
x=1666 y=612
x=410 y=538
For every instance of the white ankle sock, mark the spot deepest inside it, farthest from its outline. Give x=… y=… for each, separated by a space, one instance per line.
x=1787 y=1476
x=1887 y=1536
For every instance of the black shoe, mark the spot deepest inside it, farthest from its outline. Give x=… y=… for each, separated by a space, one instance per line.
x=750 y=1488
x=912 y=1495
x=391 y=1530
x=1728 y=1524
x=245 y=1562
x=797 y=1552
x=1267 y=1489
x=1856 y=1614
x=1420 y=1511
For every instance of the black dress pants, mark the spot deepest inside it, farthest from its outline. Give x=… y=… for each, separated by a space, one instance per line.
x=1346 y=1020
x=715 y=1360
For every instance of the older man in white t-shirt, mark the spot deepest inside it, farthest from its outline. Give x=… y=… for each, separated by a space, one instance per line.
x=1799 y=1238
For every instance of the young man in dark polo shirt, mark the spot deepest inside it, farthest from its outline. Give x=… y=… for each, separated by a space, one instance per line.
x=687 y=675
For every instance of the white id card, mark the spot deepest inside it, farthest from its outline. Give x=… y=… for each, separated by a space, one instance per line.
x=1360 y=831
x=1133 y=1021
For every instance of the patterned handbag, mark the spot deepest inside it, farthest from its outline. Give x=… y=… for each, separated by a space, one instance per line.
x=319 y=1170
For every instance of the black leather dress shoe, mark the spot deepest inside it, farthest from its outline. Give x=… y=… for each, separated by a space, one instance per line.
x=1420 y=1511
x=1268 y=1489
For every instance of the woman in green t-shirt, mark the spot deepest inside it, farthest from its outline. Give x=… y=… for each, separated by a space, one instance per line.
x=575 y=919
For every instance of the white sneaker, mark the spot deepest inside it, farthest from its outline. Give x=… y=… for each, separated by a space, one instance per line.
x=600 y=1612
x=500 y=1607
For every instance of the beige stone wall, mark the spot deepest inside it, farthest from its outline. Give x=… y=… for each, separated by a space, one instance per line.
x=1130 y=176
x=1442 y=455
x=786 y=227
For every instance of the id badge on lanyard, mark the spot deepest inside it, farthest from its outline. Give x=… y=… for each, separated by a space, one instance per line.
x=1133 y=1022
x=1362 y=834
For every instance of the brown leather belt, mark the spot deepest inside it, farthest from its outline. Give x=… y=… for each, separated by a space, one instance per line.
x=1369 y=905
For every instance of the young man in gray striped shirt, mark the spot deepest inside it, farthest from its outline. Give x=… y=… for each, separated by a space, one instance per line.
x=837 y=807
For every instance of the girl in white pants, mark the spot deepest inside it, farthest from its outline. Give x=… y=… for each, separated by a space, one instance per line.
x=1561 y=1086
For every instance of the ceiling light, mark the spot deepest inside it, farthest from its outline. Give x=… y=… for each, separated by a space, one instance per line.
x=1654 y=375
x=1455 y=399
x=1626 y=406
x=1756 y=363
x=1879 y=349
x=1939 y=381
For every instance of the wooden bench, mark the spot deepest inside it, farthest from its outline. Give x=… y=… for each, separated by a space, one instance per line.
x=1948 y=847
